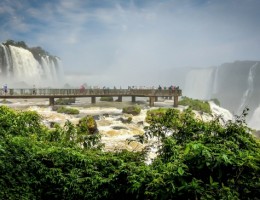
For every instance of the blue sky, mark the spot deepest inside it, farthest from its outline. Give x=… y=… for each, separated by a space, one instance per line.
x=130 y=42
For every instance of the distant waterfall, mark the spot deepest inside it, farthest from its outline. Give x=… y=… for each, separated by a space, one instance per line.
x=198 y=84
x=215 y=82
x=18 y=65
x=248 y=93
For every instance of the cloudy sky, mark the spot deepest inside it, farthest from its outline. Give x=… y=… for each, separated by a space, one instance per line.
x=135 y=42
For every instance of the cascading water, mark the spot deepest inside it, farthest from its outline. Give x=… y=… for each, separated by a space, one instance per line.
x=248 y=93
x=19 y=68
x=199 y=83
x=215 y=82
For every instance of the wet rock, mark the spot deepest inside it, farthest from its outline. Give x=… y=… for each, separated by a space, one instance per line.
x=96 y=117
x=119 y=128
x=124 y=120
x=106 y=115
x=141 y=123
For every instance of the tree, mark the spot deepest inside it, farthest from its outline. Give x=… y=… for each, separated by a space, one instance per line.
x=203 y=160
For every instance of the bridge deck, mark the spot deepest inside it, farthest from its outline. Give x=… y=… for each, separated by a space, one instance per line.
x=93 y=93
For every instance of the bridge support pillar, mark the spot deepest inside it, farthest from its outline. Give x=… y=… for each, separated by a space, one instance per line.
x=155 y=99
x=93 y=99
x=133 y=98
x=119 y=99
x=51 y=101
x=175 y=101
x=151 y=101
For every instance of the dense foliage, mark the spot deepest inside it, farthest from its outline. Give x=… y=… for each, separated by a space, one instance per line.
x=155 y=114
x=67 y=110
x=203 y=160
x=197 y=160
x=134 y=110
x=65 y=101
x=106 y=99
x=195 y=104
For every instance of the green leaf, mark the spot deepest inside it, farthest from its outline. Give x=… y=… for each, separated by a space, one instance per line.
x=210 y=179
x=180 y=171
x=187 y=150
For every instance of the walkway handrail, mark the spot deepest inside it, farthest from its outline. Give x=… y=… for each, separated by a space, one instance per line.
x=90 y=92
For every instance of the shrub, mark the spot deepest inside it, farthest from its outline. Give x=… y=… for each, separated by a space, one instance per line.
x=155 y=114
x=66 y=110
x=196 y=104
x=134 y=110
x=106 y=99
x=64 y=101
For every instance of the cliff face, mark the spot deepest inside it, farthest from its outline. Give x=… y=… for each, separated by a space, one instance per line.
x=235 y=84
x=238 y=86
x=18 y=64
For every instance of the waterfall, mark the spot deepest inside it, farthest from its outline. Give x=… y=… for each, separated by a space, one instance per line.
x=215 y=82
x=7 y=61
x=254 y=122
x=20 y=66
x=25 y=67
x=198 y=84
x=250 y=88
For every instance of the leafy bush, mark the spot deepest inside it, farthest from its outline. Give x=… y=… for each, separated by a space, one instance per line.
x=196 y=160
x=196 y=104
x=155 y=114
x=64 y=101
x=202 y=160
x=106 y=99
x=66 y=110
x=134 y=110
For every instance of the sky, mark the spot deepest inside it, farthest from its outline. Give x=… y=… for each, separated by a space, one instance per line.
x=135 y=42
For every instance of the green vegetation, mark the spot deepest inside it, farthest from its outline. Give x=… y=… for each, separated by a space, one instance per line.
x=134 y=110
x=65 y=101
x=106 y=99
x=199 y=160
x=72 y=111
x=195 y=104
x=155 y=114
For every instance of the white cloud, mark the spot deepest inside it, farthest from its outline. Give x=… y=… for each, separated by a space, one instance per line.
x=122 y=39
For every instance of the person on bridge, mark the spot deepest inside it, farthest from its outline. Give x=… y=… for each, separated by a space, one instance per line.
x=82 y=89
x=5 y=89
x=34 y=90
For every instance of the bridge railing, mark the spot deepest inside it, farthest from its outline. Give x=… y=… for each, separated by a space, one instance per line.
x=102 y=92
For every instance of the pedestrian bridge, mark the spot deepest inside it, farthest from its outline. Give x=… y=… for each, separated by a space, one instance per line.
x=52 y=94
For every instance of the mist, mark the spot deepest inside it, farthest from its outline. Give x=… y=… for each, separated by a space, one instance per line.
x=120 y=43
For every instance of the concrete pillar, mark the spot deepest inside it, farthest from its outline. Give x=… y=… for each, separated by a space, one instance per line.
x=119 y=99
x=133 y=98
x=156 y=99
x=51 y=101
x=93 y=99
x=151 y=101
x=175 y=101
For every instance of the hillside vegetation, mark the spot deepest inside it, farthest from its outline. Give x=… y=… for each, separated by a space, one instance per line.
x=197 y=160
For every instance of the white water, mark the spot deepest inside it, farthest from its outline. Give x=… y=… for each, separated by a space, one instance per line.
x=215 y=82
x=219 y=111
x=22 y=67
x=254 y=122
x=248 y=93
x=25 y=67
x=199 y=83
x=7 y=60
x=114 y=139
